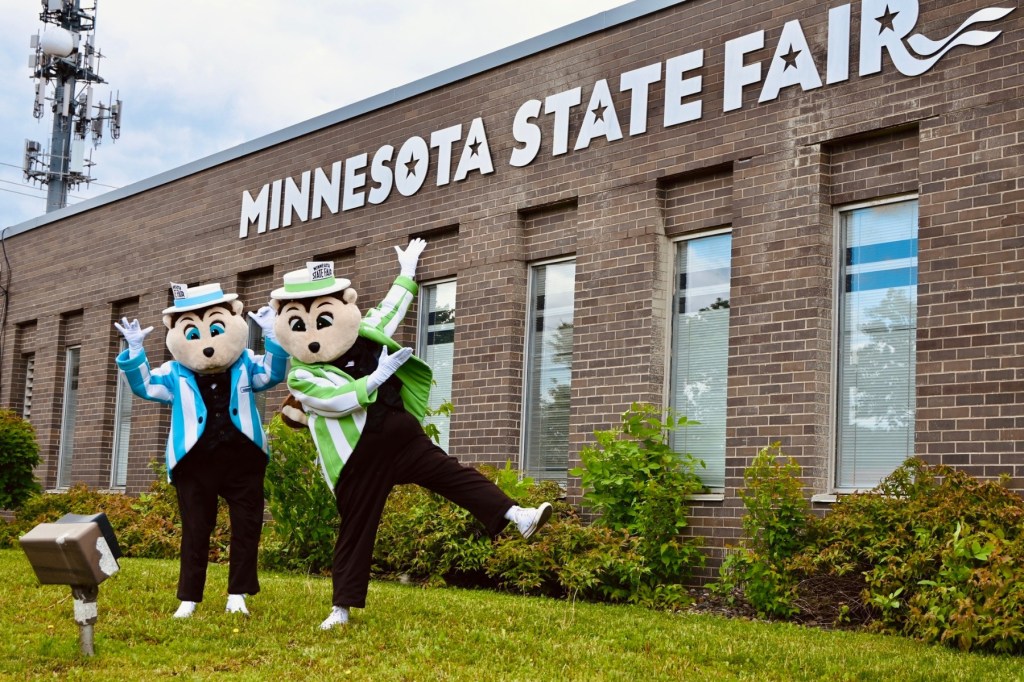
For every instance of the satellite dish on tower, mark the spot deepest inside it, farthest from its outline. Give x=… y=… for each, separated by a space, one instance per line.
x=57 y=42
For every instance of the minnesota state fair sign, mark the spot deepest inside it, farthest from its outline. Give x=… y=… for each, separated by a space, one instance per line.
x=886 y=28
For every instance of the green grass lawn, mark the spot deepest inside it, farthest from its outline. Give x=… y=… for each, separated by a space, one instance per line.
x=411 y=633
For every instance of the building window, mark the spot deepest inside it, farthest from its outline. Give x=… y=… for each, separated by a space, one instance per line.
x=700 y=350
x=549 y=370
x=67 y=419
x=122 y=429
x=26 y=402
x=258 y=346
x=436 y=345
x=877 y=342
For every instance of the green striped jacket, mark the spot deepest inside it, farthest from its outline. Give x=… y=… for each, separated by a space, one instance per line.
x=336 y=403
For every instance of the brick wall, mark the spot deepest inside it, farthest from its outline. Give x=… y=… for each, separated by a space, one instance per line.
x=773 y=173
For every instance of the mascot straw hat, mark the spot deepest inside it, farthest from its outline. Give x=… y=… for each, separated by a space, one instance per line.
x=316 y=279
x=192 y=298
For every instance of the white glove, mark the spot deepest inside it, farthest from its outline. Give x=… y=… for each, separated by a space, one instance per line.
x=408 y=258
x=265 y=318
x=386 y=367
x=134 y=334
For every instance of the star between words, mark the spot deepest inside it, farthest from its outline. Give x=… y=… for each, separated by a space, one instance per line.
x=886 y=27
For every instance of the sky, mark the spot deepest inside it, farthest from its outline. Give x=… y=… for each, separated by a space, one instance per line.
x=201 y=76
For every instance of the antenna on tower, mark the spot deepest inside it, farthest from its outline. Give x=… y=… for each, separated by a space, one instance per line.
x=65 y=65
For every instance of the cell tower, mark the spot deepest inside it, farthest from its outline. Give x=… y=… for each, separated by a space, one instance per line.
x=65 y=65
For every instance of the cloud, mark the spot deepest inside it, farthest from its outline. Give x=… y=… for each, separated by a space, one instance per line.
x=201 y=76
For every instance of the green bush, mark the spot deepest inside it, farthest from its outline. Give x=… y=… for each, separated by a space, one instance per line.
x=940 y=554
x=775 y=528
x=425 y=537
x=931 y=553
x=305 y=517
x=19 y=454
x=148 y=526
x=639 y=486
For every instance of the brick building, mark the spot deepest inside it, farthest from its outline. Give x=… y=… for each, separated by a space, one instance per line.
x=793 y=221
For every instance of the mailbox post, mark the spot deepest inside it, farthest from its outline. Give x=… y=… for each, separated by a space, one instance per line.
x=80 y=551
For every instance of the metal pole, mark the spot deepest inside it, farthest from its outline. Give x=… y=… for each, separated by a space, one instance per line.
x=60 y=150
x=85 y=615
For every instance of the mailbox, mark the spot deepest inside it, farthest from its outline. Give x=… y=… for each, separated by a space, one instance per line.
x=80 y=551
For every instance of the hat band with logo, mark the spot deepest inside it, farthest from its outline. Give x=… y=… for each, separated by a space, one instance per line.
x=302 y=287
x=316 y=279
x=188 y=298
x=192 y=301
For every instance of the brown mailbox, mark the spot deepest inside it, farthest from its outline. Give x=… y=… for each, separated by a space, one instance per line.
x=69 y=554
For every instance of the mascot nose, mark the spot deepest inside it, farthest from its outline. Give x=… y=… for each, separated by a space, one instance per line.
x=314 y=347
x=208 y=351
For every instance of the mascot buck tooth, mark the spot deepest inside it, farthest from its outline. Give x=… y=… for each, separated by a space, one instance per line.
x=363 y=398
x=216 y=446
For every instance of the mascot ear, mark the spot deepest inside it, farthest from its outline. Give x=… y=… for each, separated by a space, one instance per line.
x=349 y=295
x=169 y=321
x=275 y=304
x=237 y=307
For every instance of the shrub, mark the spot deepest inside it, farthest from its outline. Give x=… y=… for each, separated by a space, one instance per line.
x=305 y=518
x=19 y=454
x=639 y=486
x=424 y=536
x=940 y=553
x=775 y=528
x=148 y=526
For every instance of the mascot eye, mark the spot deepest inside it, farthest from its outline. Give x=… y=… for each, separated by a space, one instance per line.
x=216 y=329
x=297 y=325
x=324 y=320
x=192 y=333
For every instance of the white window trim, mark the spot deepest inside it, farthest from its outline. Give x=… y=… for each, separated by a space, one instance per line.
x=421 y=312
x=28 y=390
x=838 y=266
x=714 y=494
x=116 y=439
x=63 y=416
x=526 y=356
x=421 y=330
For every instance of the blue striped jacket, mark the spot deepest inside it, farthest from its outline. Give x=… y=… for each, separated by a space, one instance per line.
x=174 y=384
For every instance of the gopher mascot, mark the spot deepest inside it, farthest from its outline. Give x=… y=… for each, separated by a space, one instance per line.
x=363 y=398
x=216 y=446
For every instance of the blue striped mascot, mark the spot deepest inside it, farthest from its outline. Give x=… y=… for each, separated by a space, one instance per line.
x=216 y=446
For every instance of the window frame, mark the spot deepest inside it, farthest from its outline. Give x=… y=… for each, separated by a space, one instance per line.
x=122 y=391
x=422 y=322
x=65 y=467
x=256 y=342
x=838 y=288
x=528 y=333
x=713 y=493
x=29 y=364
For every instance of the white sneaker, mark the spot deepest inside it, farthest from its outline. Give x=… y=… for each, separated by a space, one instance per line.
x=186 y=609
x=529 y=520
x=236 y=604
x=339 y=616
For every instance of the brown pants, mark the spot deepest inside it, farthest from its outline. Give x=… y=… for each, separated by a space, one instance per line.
x=234 y=471
x=398 y=453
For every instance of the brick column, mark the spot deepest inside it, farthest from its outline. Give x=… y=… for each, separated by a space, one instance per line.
x=487 y=379
x=47 y=396
x=622 y=303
